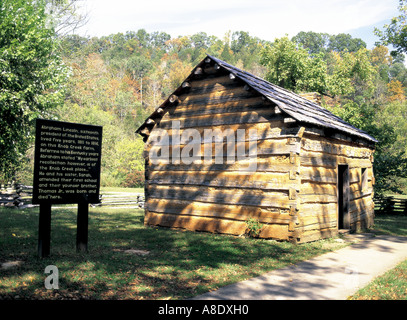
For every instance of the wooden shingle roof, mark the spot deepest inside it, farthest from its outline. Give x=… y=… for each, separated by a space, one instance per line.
x=297 y=107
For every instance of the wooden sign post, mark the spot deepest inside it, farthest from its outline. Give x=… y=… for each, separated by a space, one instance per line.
x=66 y=170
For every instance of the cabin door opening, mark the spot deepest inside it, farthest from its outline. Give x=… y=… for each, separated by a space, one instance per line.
x=343 y=197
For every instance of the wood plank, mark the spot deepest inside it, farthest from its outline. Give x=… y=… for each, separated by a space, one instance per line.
x=260 y=115
x=264 y=130
x=330 y=218
x=257 y=180
x=210 y=81
x=220 y=108
x=209 y=85
x=212 y=225
x=318 y=174
x=313 y=132
x=249 y=197
x=317 y=226
x=310 y=188
x=361 y=204
x=318 y=198
x=317 y=209
x=195 y=223
x=312 y=235
x=318 y=159
x=203 y=209
x=226 y=95
x=263 y=164
x=208 y=106
x=262 y=147
x=365 y=215
x=328 y=147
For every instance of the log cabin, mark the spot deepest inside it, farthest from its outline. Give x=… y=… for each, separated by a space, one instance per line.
x=228 y=147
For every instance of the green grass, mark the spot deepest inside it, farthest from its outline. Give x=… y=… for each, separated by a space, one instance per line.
x=390 y=286
x=179 y=265
x=395 y=225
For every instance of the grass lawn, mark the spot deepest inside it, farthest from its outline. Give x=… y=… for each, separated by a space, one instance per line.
x=178 y=264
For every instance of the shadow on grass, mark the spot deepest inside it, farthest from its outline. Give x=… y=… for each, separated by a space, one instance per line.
x=179 y=264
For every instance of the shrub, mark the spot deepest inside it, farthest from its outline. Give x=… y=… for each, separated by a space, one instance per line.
x=253 y=227
x=134 y=179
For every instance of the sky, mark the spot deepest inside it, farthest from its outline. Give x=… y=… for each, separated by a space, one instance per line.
x=265 y=19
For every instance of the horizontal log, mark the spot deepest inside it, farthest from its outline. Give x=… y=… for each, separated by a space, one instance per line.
x=327 y=220
x=317 y=226
x=318 y=198
x=313 y=235
x=223 y=211
x=318 y=174
x=212 y=225
x=211 y=85
x=328 y=175
x=211 y=80
x=195 y=223
x=200 y=106
x=317 y=209
x=257 y=180
x=365 y=215
x=331 y=147
x=361 y=204
x=263 y=130
x=222 y=94
x=163 y=150
x=221 y=108
x=260 y=115
x=317 y=132
x=263 y=164
x=319 y=159
x=312 y=188
x=248 y=197
x=358 y=193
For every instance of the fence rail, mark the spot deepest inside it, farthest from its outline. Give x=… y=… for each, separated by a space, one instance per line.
x=20 y=196
x=391 y=205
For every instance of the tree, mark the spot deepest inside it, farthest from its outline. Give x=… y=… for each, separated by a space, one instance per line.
x=291 y=67
x=344 y=42
x=32 y=77
x=396 y=91
x=387 y=125
x=312 y=41
x=395 y=33
x=64 y=16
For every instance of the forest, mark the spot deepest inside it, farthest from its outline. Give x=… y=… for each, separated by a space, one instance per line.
x=117 y=80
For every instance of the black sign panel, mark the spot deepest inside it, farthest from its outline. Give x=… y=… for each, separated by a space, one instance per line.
x=67 y=162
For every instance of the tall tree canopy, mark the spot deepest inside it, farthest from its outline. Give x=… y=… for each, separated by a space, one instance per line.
x=31 y=76
x=395 y=33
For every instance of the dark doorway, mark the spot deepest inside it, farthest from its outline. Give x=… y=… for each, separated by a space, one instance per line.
x=343 y=197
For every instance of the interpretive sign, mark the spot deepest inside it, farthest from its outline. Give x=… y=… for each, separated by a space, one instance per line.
x=67 y=162
x=66 y=170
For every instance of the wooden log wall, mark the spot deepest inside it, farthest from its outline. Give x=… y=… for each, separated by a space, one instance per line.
x=320 y=157
x=221 y=197
x=293 y=190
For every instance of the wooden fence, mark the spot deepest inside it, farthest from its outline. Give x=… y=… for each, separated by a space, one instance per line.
x=20 y=196
x=391 y=205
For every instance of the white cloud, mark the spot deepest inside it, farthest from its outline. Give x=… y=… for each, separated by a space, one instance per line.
x=266 y=19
